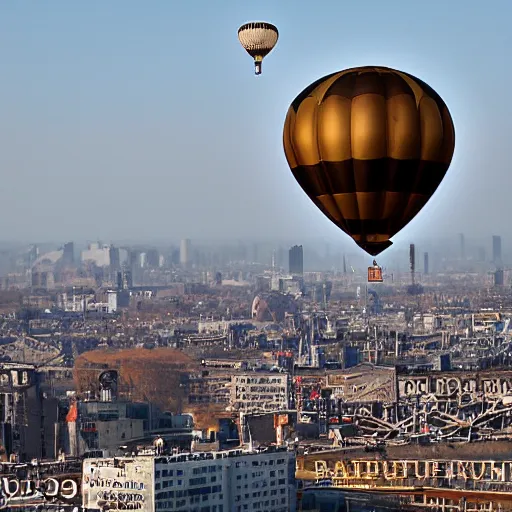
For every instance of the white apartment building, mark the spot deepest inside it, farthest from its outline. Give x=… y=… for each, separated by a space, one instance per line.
x=259 y=392
x=227 y=481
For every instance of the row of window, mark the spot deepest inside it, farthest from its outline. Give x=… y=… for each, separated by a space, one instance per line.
x=213 y=489
x=180 y=504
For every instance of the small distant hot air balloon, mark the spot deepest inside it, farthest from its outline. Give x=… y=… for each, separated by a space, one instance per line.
x=369 y=146
x=258 y=39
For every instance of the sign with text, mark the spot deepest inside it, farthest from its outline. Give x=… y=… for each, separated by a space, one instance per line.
x=54 y=490
x=118 y=484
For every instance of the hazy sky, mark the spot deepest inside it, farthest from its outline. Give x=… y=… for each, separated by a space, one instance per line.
x=135 y=119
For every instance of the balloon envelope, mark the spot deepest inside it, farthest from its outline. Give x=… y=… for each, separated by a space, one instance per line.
x=258 y=39
x=369 y=146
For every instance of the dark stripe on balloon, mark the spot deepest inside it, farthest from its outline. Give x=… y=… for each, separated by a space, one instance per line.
x=308 y=90
x=428 y=91
x=374 y=248
x=357 y=83
x=385 y=174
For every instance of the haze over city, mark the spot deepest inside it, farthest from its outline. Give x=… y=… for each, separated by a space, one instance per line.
x=124 y=120
x=182 y=328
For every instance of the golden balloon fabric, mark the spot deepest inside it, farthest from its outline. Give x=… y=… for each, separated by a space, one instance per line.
x=369 y=146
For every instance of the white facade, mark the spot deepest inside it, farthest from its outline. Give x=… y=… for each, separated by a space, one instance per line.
x=116 y=484
x=229 y=481
x=99 y=255
x=112 y=301
x=185 y=252
x=259 y=392
x=76 y=302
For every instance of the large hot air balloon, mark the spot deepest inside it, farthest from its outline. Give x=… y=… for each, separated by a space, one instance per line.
x=258 y=39
x=369 y=146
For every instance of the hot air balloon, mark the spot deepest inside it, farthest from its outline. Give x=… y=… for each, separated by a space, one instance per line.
x=258 y=39
x=369 y=146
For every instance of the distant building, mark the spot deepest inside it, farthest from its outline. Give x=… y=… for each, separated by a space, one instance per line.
x=153 y=258
x=498 y=278
x=115 y=258
x=185 y=252
x=32 y=255
x=112 y=301
x=296 y=260
x=98 y=254
x=425 y=264
x=68 y=254
x=496 y=250
x=124 y=280
x=462 y=246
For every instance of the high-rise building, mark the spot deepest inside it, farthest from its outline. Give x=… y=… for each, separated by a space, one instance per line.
x=296 y=260
x=134 y=266
x=496 y=250
x=185 y=252
x=498 y=278
x=115 y=258
x=425 y=263
x=153 y=258
x=68 y=254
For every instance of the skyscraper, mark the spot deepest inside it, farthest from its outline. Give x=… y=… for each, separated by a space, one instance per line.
x=68 y=254
x=462 y=246
x=496 y=250
x=115 y=258
x=296 y=260
x=185 y=252
x=153 y=258
x=425 y=263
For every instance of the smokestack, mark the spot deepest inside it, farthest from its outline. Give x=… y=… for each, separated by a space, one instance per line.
x=412 y=260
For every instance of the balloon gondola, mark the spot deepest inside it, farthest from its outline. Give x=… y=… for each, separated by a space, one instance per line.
x=375 y=273
x=369 y=146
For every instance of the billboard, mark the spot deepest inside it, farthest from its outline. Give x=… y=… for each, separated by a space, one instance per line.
x=119 y=484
